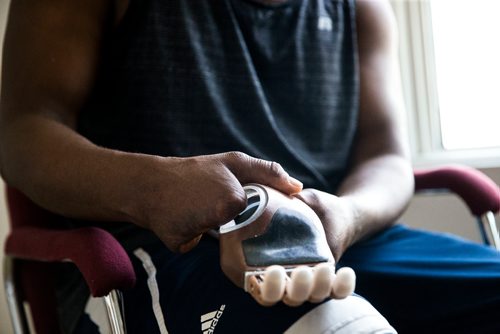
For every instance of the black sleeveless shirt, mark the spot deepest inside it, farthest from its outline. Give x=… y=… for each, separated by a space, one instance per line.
x=191 y=77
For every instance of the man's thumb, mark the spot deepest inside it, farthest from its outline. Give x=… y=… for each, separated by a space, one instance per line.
x=248 y=169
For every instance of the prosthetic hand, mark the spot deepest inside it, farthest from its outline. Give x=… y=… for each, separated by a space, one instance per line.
x=276 y=250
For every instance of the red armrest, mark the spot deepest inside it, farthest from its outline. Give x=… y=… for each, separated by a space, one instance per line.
x=100 y=258
x=478 y=191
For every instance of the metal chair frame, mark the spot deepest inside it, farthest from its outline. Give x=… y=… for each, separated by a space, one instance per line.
x=489 y=230
x=113 y=302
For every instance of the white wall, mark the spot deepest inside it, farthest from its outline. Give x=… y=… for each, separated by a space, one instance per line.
x=446 y=213
x=5 y=325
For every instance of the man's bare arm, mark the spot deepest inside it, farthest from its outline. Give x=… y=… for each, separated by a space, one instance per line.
x=51 y=56
x=380 y=182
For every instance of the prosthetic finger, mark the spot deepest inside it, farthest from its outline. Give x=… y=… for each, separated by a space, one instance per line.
x=344 y=283
x=253 y=288
x=299 y=286
x=273 y=285
x=322 y=282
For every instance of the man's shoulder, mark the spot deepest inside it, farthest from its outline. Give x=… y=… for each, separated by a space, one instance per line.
x=376 y=23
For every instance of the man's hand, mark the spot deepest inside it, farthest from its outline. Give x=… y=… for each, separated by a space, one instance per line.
x=337 y=215
x=181 y=198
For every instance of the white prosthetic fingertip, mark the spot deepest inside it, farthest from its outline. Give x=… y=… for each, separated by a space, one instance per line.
x=300 y=285
x=344 y=283
x=322 y=282
x=273 y=285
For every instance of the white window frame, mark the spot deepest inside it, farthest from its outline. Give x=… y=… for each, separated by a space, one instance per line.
x=418 y=77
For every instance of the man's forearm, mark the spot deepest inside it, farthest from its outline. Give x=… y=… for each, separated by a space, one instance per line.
x=65 y=173
x=379 y=190
x=179 y=199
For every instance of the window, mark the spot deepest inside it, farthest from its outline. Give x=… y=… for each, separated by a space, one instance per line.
x=467 y=55
x=450 y=62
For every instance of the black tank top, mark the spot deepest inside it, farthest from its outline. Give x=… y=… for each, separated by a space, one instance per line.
x=191 y=77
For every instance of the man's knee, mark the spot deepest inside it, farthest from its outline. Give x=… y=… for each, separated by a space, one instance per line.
x=350 y=315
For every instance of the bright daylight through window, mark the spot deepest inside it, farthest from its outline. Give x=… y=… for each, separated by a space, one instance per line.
x=467 y=59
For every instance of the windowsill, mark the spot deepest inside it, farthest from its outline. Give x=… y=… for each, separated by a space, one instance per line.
x=477 y=158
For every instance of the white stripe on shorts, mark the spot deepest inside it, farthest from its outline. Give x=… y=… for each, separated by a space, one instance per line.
x=150 y=268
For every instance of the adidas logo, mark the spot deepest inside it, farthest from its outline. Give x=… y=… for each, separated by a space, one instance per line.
x=325 y=23
x=210 y=320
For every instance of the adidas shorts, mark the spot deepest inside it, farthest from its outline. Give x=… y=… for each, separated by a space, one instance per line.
x=189 y=294
x=422 y=282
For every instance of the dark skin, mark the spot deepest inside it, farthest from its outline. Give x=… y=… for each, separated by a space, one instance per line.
x=380 y=183
x=48 y=71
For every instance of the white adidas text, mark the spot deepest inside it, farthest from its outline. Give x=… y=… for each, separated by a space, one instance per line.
x=210 y=320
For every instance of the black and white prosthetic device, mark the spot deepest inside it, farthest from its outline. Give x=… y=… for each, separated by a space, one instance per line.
x=276 y=249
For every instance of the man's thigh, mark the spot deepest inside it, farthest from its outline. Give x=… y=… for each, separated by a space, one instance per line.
x=429 y=282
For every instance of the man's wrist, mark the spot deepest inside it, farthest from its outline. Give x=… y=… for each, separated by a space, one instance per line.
x=133 y=185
